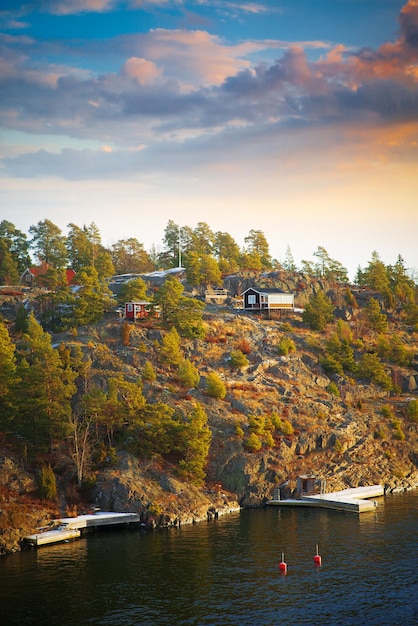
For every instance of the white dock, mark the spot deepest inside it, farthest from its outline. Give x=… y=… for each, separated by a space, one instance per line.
x=57 y=535
x=68 y=528
x=355 y=499
x=99 y=519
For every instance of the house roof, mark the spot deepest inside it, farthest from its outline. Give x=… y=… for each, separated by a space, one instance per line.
x=266 y=290
x=43 y=268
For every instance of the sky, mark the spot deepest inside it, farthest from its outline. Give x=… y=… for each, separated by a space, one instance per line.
x=298 y=118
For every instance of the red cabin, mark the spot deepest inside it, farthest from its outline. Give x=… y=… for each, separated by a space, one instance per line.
x=137 y=310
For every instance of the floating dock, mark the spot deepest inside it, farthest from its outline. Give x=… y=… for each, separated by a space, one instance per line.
x=57 y=535
x=68 y=528
x=355 y=500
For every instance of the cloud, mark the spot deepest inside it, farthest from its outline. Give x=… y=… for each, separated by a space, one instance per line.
x=178 y=90
x=141 y=70
x=409 y=23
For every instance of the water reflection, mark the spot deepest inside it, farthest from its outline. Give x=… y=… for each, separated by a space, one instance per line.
x=226 y=572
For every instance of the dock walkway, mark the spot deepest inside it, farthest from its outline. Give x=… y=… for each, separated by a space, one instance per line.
x=68 y=528
x=354 y=499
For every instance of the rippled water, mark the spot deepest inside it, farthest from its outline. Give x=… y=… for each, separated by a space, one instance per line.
x=226 y=572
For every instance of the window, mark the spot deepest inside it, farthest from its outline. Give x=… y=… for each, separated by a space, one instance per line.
x=130 y=308
x=251 y=298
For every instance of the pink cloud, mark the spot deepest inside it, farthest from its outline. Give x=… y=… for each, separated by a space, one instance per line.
x=71 y=7
x=141 y=70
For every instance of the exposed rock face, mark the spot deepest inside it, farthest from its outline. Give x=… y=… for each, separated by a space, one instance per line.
x=302 y=285
x=344 y=439
x=161 y=499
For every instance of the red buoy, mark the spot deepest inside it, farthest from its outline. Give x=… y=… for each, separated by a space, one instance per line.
x=283 y=565
x=317 y=558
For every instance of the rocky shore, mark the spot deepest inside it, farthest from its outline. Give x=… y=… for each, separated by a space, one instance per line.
x=361 y=435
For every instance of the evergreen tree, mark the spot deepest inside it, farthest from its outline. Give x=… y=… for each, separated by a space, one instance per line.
x=103 y=264
x=79 y=247
x=167 y=299
x=197 y=439
x=170 y=352
x=134 y=290
x=172 y=245
x=377 y=320
x=318 y=312
x=47 y=483
x=329 y=268
x=188 y=374
x=129 y=257
x=44 y=390
x=257 y=245
x=21 y=320
x=188 y=318
x=7 y=375
x=148 y=373
x=209 y=271
x=215 y=386
x=375 y=276
x=91 y=300
x=371 y=368
x=17 y=244
x=289 y=262
x=49 y=244
x=227 y=253
x=9 y=273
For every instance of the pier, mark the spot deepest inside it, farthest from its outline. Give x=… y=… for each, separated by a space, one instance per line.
x=356 y=500
x=68 y=528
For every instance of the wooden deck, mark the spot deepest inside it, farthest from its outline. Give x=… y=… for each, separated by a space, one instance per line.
x=355 y=500
x=68 y=528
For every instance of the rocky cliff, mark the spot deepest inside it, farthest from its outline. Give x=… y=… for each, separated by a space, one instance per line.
x=345 y=438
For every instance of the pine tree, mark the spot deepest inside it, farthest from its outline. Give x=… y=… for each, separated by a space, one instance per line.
x=197 y=438
x=148 y=374
x=7 y=375
x=377 y=320
x=215 y=386
x=92 y=299
x=318 y=312
x=9 y=273
x=188 y=374
x=44 y=390
x=170 y=352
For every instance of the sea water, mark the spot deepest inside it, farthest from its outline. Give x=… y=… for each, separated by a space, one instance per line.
x=226 y=572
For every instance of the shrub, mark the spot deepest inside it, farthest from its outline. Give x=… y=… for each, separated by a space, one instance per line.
x=47 y=483
x=331 y=365
x=257 y=424
x=387 y=411
x=372 y=368
x=188 y=374
x=215 y=386
x=244 y=346
x=268 y=440
x=237 y=359
x=398 y=434
x=238 y=431
x=333 y=389
x=253 y=443
x=413 y=410
x=282 y=424
x=286 y=345
x=126 y=334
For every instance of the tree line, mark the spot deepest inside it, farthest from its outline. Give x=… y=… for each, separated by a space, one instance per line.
x=59 y=398
x=205 y=255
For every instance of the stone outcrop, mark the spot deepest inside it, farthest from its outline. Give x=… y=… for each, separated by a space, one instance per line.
x=343 y=439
